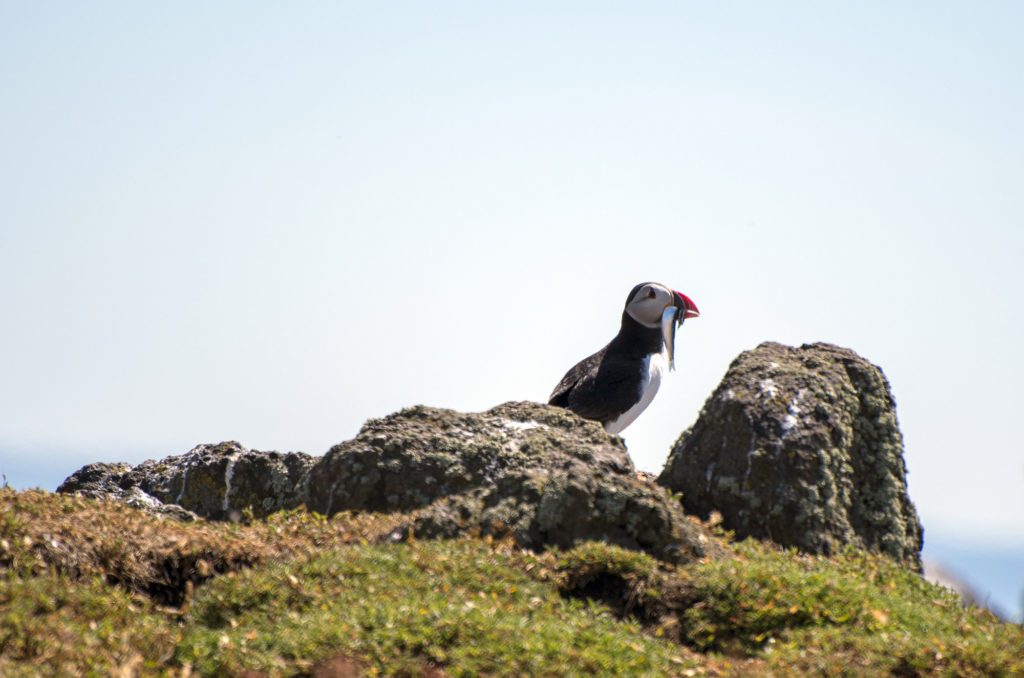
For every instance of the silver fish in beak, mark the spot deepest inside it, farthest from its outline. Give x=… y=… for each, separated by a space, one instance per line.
x=673 y=317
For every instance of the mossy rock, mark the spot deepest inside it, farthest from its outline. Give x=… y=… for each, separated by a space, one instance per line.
x=537 y=472
x=218 y=482
x=801 y=446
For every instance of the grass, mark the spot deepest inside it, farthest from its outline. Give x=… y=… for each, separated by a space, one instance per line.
x=93 y=588
x=458 y=605
x=53 y=625
x=852 y=614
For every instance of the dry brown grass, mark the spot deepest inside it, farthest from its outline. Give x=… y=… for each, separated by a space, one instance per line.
x=159 y=557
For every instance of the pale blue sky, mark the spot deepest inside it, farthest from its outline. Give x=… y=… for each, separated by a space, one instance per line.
x=266 y=223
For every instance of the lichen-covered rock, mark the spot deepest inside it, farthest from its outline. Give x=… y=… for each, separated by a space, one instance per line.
x=213 y=481
x=539 y=472
x=103 y=481
x=800 y=446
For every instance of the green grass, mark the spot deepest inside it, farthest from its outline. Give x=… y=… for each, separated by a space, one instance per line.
x=51 y=625
x=459 y=605
x=854 y=614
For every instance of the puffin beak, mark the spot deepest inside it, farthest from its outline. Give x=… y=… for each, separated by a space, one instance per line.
x=673 y=316
x=686 y=305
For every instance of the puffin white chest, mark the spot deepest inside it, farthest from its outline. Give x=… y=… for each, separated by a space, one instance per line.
x=654 y=366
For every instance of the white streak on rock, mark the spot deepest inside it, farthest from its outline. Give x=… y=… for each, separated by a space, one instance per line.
x=229 y=473
x=793 y=418
x=184 y=483
x=746 y=473
x=520 y=425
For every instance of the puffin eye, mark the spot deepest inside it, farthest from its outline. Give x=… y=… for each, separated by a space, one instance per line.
x=651 y=294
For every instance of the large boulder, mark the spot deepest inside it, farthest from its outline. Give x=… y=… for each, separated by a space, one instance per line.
x=212 y=481
x=541 y=473
x=800 y=446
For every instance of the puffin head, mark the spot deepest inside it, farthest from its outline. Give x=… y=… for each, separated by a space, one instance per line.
x=654 y=305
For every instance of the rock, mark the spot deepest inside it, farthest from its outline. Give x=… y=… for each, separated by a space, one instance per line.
x=102 y=481
x=800 y=446
x=138 y=499
x=212 y=481
x=539 y=472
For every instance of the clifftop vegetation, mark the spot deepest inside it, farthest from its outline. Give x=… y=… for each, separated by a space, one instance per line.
x=94 y=587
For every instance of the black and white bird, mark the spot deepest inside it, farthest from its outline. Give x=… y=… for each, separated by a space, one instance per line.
x=617 y=383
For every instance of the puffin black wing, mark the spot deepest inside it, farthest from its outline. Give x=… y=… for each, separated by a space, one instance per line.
x=598 y=388
x=581 y=371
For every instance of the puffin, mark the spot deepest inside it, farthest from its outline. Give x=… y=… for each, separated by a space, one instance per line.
x=617 y=383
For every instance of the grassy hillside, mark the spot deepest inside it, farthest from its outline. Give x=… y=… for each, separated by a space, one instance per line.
x=95 y=588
